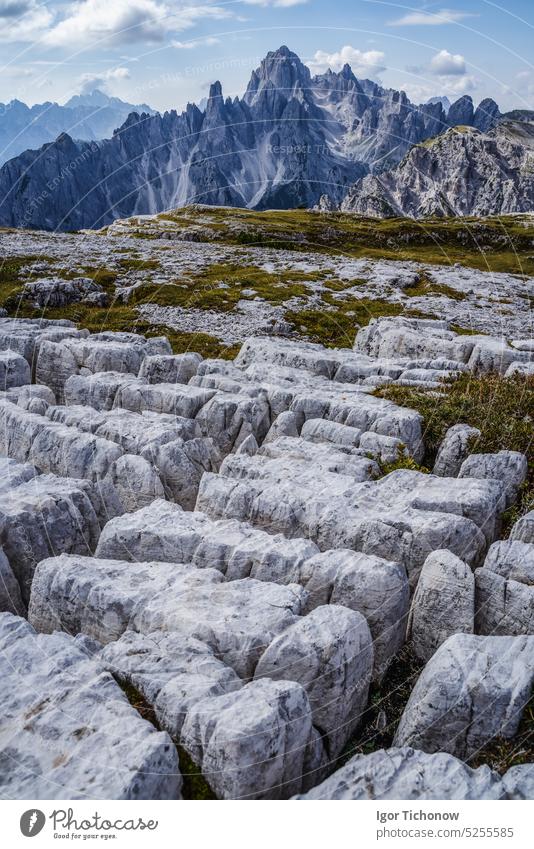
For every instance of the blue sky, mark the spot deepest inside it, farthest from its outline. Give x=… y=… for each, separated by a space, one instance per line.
x=166 y=52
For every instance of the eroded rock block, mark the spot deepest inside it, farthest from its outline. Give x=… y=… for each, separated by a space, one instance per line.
x=505 y=589
x=284 y=425
x=14 y=370
x=443 y=603
x=523 y=530
x=170 y=368
x=375 y=587
x=253 y=743
x=322 y=430
x=471 y=691
x=455 y=448
x=42 y=517
x=508 y=467
x=171 y=672
x=68 y=729
x=402 y=517
x=330 y=653
x=405 y=773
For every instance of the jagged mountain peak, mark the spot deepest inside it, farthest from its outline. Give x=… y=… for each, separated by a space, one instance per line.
x=461 y=172
x=291 y=139
x=282 y=70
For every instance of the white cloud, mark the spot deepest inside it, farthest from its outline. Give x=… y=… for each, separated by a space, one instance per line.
x=91 y=81
x=195 y=42
x=123 y=21
x=448 y=64
x=362 y=63
x=430 y=19
x=23 y=20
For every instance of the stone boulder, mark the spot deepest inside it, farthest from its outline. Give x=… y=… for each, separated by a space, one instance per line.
x=14 y=370
x=56 y=292
x=255 y=743
x=457 y=444
x=170 y=368
x=505 y=589
x=443 y=603
x=508 y=467
x=471 y=691
x=523 y=530
x=69 y=730
x=407 y=774
x=330 y=653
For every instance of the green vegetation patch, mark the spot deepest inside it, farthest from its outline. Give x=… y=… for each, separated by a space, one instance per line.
x=426 y=286
x=386 y=706
x=502 y=754
x=10 y=281
x=501 y=408
x=220 y=286
x=195 y=785
x=496 y=244
x=337 y=327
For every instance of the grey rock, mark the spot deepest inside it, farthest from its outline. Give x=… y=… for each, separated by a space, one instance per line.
x=56 y=292
x=520 y=368
x=509 y=467
x=68 y=729
x=253 y=743
x=171 y=672
x=10 y=597
x=456 y=446
x=322 y=430
x=505 y=589
x=177 y=368
x=443 y=603
x=14 y=370
x=173 y=398
x=330 y=653
x=249 y=446
x=57 y=361
x=472 y=690
x=229 y=419
x=408 y=774
x=386 y=449
x=523 y=530
x=40 y=517
x=519 y=782
x=491 y=169
x=375 y=587
x=97 y=390
x=285 y=424
x=135 y=481
x=401 y=517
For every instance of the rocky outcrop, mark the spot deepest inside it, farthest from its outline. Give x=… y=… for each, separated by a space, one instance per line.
x=256 y=629
x=291 y=140
x=253 y=622
x=405 y=773
x=68 y=730
x=457 y=444
x=463 y=172
x=443 y=603
x=472 y=690
x=505 y=589
x=56 y=292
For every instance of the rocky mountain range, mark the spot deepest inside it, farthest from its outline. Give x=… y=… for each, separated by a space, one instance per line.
x=462 y=172
x=291 y=139
x=85 y=116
